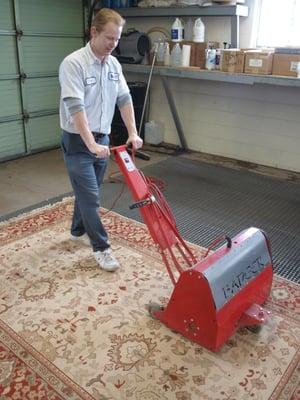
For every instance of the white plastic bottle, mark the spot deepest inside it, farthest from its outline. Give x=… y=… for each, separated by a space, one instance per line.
x=177 y=31
x=176 y=56
x=154 y=132
x=198 y=31
x=160 y=53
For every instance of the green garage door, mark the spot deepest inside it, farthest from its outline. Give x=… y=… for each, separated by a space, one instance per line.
x=35 y=35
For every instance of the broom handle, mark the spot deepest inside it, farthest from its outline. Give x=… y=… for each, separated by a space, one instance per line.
x=147 y=89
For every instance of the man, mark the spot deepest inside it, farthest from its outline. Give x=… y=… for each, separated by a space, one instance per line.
x=92 y=83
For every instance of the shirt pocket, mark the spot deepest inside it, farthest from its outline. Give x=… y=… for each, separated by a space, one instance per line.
x=90 y=94
x=112 y=89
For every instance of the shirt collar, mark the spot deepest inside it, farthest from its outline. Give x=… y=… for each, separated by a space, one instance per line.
x=92 y=57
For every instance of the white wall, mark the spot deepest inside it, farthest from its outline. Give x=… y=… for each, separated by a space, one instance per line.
x=259 y=123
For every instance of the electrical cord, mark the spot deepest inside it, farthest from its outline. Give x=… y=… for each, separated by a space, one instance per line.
x=117 y=198
x=151 y=184
x=114 y=180
x=159 y=197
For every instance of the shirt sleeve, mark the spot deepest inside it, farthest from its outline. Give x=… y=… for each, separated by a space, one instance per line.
x=123 y=100
x=123 y=89
x=73 y=104
x=71 y=79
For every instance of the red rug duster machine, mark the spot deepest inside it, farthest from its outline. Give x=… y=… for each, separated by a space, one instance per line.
x=214 y=296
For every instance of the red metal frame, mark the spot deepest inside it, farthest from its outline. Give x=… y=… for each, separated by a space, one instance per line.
x=160 y=223
x=192 y=308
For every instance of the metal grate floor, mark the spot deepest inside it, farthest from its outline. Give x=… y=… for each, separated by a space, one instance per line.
x=209 y=200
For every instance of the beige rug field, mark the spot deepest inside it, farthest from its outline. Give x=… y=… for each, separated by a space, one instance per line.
x=69 y=330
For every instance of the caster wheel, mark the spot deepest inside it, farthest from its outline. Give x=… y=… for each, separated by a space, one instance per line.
x=153 y=308
x=254 y=328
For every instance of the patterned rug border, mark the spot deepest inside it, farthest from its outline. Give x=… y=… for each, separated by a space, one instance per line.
x=30 y=212
x=289 y=382
x=39 y=364
x=26 y=210
x=35 y=208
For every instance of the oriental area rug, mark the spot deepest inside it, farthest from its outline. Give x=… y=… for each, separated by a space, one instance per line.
x=71 y=331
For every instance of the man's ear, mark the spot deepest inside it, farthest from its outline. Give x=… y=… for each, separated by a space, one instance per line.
x=93 y=31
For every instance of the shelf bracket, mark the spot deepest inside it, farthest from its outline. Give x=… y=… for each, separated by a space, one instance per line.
x=235 y=31
x=174 y=113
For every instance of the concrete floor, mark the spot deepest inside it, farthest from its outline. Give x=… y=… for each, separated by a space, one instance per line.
x=31 y=180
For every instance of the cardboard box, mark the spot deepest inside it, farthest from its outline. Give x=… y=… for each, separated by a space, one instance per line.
x=200 y=52
x=285 y=64
x=232 y=60
x=258 y=62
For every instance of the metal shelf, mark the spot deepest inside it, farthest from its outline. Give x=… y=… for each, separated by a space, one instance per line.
x=196 y=73
x=234 y=12
x=209 y=11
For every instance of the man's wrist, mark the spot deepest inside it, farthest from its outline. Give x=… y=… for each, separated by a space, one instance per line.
x=131 y=134
x=89 y=140
x=91 y=146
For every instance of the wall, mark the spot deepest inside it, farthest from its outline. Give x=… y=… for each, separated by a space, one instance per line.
x=257 y=124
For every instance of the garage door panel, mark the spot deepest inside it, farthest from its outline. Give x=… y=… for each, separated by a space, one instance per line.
x=41 y=94
x=43 y=55
x=47 y=31
x=12 y=141
x=6 y=15
x=43 y=132
x=9 y=62
x=10 y=100
x=55 y=16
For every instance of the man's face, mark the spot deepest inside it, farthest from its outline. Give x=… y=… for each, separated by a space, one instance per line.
x=106 y=41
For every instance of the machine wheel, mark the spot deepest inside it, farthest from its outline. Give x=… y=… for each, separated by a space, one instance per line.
x=153 y=307
x=255 y=328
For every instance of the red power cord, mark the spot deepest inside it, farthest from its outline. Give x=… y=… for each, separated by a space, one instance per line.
x=152 y=184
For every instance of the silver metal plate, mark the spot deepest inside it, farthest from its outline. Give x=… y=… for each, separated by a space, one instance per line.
x=230 y=274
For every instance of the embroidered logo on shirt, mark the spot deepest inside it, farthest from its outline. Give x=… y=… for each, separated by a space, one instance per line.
x=90 y=81
x=113 y=76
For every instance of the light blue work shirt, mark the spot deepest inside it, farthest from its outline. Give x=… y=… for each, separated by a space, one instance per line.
x=97 y=84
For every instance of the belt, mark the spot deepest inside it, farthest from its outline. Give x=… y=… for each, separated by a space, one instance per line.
x=98 y=135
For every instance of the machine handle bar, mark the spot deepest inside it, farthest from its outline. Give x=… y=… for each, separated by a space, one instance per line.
x=220 y=239
x=142 y=203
